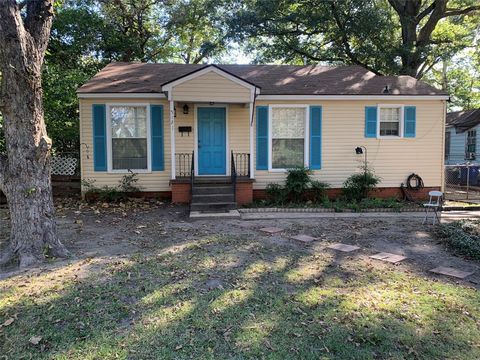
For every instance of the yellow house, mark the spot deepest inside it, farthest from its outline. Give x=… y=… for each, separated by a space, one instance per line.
x=229 y=130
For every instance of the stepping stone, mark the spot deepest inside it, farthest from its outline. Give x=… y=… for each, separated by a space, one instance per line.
x=304 y=238
x=343 y=247
x=271 y=230
x=443 y=270
x=388 y=257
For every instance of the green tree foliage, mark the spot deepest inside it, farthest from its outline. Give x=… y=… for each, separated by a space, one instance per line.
x=385 y=36
x=460 y=76
x=88 y=34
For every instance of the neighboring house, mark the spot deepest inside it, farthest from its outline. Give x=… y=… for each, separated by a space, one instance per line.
x=151 y=118
x=462 y=142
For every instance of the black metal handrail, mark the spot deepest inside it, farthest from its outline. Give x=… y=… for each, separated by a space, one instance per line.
x=234 y=176
x=192 y=173
x=183 y=164
x=242 y=164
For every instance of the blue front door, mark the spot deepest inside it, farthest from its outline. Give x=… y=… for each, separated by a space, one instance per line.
x=212 y=141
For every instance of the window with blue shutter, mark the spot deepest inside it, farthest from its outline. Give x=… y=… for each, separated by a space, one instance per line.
x=410 y=119
x=315 y=137
x=370 y=121
x=262 y=137
x=99 y=137
x=156 y=124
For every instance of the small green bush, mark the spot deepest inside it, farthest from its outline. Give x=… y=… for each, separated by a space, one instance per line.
x=297 y=183
x=358 y=185
x=318 y=190
x=110 y=194
x=128 y=183
x=462 y=237
x=126 y=186
x=276 y=194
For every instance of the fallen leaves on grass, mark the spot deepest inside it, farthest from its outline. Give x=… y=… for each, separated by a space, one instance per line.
x=35 y=340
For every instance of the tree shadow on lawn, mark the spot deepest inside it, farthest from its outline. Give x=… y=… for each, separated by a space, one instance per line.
x=277 y=302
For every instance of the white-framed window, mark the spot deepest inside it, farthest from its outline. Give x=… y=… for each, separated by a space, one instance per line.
x=288 y=130
x=471 y=145
x=390 y=121
x=128 y=130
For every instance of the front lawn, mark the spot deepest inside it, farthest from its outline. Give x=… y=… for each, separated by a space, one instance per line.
x=221 y=291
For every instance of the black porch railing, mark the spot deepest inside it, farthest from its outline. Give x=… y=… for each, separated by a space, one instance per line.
x=242 y=164
x=184 y=164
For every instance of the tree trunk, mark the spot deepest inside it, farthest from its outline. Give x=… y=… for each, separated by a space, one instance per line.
x=25 y=171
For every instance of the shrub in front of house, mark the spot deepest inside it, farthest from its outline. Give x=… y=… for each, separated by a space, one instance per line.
x=299 y=188
x=358 y=185
x=126 y=187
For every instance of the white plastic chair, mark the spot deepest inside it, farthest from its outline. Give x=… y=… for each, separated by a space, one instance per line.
x=434 y=203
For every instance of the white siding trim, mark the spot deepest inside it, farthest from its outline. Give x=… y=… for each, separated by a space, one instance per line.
x=171 y=111
x=271 y=97
x=353 y=97
x=250 y=122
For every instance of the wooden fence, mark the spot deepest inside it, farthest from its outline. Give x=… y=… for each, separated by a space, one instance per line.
x=62 y=186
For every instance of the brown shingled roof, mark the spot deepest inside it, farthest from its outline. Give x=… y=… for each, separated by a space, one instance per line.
x=272 y=79
x=463 y=120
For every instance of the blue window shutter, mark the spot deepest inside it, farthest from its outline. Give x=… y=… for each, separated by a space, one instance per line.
x=315 y=137
x=156 y=124
x=262 y=137
x=410 y=119
x=99 y=137
x=370 y=121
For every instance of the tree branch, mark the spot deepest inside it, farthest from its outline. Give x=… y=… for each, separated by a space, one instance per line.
x=427 y=11
x=345 y=41
x=466 y=11
x=38 y=21
x=427 y=30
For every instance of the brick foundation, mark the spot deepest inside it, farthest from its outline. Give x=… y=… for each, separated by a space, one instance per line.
x=382 y=193
x=244 y=192
x=181 y=193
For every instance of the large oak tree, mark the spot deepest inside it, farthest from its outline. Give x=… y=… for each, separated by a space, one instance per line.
x=405 y=37
x=25 y=166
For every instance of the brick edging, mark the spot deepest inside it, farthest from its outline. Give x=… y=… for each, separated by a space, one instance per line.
x=325 y=210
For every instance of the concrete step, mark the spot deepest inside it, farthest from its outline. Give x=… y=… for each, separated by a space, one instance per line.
x=200 y=189
x=213 y=198
x=213 y=206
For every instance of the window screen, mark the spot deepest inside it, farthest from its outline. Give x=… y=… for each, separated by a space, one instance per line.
x=129 y=137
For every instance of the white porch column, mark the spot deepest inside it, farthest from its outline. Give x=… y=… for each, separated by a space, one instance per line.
x=252 y=174
x=172 y=138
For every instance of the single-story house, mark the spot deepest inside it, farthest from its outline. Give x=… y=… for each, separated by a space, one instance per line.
x=461 y=137
x=254 y=122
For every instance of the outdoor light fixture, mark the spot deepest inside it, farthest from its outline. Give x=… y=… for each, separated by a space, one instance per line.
x=185 y=109
x=359 y=150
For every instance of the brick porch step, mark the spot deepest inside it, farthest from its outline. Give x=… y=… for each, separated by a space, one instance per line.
x=213 y=197
x=208 y=189
x=213 y=194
